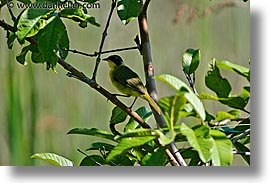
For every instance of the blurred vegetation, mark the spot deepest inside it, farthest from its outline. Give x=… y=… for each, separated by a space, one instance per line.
x=38 y=107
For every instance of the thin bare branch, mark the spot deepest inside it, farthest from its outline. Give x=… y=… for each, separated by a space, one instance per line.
x=103 y=52
x=104 y=35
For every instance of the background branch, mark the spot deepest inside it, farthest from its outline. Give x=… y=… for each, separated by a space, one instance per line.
x=103 y=52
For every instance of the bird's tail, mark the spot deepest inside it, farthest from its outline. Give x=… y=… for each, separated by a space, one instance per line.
x=147 y=97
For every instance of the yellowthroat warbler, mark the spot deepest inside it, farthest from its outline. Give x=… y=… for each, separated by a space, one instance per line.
x=127 y=81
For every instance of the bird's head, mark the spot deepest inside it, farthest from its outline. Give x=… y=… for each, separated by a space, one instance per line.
x=114 y=61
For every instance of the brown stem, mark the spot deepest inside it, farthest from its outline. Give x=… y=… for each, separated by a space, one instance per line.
x=149 y=73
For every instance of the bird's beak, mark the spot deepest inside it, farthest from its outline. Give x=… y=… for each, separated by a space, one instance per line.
x=105 y=59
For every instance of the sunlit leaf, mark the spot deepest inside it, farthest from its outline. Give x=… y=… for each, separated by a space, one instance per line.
x=222 y=151
x=78 y=15
x=28 y=20
x=52 y=158
x=243 y=71
x=179 y=85
x=199 y=139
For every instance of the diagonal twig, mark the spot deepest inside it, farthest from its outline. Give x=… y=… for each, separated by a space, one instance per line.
x=104 y=34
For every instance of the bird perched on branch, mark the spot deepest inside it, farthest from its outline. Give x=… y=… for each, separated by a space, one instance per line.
x=127 y=81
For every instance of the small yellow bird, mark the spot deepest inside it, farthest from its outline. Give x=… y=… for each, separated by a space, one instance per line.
x=127 y=81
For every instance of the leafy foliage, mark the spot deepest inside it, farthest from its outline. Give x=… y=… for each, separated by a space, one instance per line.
x=210 y=140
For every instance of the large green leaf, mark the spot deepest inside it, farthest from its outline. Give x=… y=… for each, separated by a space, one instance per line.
x=132 y=124
x=128 y=10
x=216 y=82
x=128 y=143
x=199 y=139
x=93 y=132
x=28 y=21
x=52 y=158
x=190 y=61
x=52 y=41
x=179 y=85
x=243 y=71
x=222 y=151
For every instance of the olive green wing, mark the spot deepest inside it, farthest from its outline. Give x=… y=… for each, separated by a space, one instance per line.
x=129 y=78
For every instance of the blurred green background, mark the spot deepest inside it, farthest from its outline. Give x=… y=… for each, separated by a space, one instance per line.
x=38 y=107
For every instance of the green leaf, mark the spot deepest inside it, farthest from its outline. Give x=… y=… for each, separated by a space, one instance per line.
x=157 y=158
x=78 y=15
x=222 y=151
x=171 y=106
x=179 y=85
x=128 y=10
x=28 y=20
x=216 y=82
x=199 y=139
x=128 y=143
x=52 y=41
x=93 y=160
x=167 y=138
x=93 y=132
x=221 y=115
x=118 y=115
x=52 y=158
x=100 y=146
x=243 y=71
x=190 y=61
x=237 y=101
x=132 y=124
x=140 y=132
